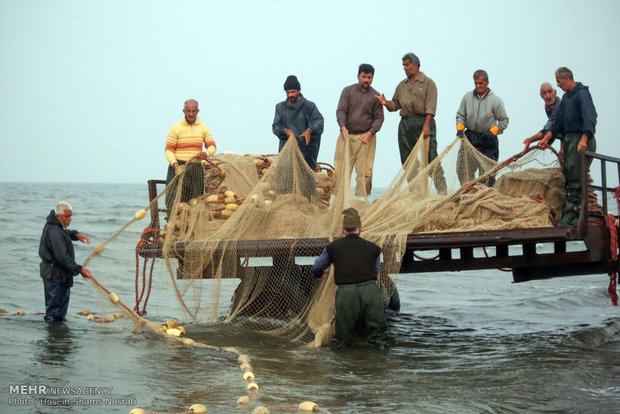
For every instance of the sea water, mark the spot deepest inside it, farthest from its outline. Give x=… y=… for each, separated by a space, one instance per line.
x=464 y=342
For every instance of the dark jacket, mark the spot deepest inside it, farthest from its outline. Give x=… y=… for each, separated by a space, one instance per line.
x=354 y=259
x=298 y=117
x=57 y=254
x=576 y=113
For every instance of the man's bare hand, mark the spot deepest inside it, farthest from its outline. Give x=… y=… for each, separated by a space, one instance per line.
x=83 y=238
x=382 y=99
x=306 y=134
x=583 y=143
x=426 y=130
x=365 y=137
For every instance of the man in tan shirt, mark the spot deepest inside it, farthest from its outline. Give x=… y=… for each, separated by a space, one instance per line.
x=359 y=117
x=416 y=97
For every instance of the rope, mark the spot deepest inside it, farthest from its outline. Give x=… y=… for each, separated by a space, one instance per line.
x=613 y=245
x=143 y=240
x=283 y=407
x=503 y=269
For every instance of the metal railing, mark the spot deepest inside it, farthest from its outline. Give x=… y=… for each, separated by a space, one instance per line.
x=603 y=188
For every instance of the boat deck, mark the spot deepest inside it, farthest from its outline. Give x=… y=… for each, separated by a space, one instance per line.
x=533 y=253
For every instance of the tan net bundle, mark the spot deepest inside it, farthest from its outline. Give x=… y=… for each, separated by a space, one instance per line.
x=263 y=219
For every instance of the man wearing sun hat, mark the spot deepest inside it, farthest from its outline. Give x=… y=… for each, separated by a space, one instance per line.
x=356 y=265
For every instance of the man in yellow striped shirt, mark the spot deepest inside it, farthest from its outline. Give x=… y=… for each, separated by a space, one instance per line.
x=184 y=145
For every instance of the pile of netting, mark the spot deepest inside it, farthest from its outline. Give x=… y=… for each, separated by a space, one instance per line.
x=259 y=217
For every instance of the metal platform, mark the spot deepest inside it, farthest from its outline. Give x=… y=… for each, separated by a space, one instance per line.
x=535 y=253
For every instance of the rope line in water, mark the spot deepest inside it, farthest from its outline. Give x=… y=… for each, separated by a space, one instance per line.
x=244 y=359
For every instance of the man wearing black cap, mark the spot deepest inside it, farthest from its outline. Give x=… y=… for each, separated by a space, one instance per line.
x=358 y=298
x=298 y=117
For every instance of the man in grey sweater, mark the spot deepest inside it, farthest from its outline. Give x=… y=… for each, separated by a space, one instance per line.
x=481 y=117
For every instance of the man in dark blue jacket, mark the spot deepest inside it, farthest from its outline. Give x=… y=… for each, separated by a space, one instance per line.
x=298 y=117
x=58 y=264
x=576 y=120
x=358 y=298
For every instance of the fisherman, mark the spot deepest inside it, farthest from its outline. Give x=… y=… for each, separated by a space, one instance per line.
x=184 y=145
x=416 y=97
x=358 y=298
x=481 y=117
x=576 y=121
x=359 y=117
x=552 y=103
x=299 y=118
x=58 y=265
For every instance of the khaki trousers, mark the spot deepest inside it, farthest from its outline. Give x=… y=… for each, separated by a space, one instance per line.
x=361 y=157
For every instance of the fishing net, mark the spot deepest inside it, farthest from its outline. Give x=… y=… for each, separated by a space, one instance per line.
x=263 y=219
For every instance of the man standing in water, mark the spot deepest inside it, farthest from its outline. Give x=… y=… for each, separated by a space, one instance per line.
x=416 y=97
x=299 y=118
x=58 y=264
x=481 y=117
x=552 y=105
x=576 y=120
x=184 y=144
x=356 y=266
x=359 y=117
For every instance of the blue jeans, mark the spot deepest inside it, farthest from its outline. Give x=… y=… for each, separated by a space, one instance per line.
x=56 y=300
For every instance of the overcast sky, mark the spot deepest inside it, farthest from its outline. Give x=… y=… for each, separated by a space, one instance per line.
x=90 y=88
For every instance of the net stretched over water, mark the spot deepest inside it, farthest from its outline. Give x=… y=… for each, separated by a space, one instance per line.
x=263 y=219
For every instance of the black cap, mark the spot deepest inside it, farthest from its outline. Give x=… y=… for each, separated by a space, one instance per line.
x=292 y=83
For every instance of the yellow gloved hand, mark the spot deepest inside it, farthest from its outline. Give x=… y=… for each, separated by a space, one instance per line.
x=494 y=130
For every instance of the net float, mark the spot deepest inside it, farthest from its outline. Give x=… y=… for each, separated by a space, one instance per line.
x=98 y=249
x=139 y=214
x=198 y=409
x=308 y=406
x=171 y=323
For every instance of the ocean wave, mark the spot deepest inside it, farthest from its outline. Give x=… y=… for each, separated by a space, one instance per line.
x=594 y=337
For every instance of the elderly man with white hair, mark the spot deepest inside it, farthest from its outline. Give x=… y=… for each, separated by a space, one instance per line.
x=552 y=105
x=58 y=264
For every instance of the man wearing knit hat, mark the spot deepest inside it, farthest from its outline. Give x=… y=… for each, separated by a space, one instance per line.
x=358 y=298
x=299 y=118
